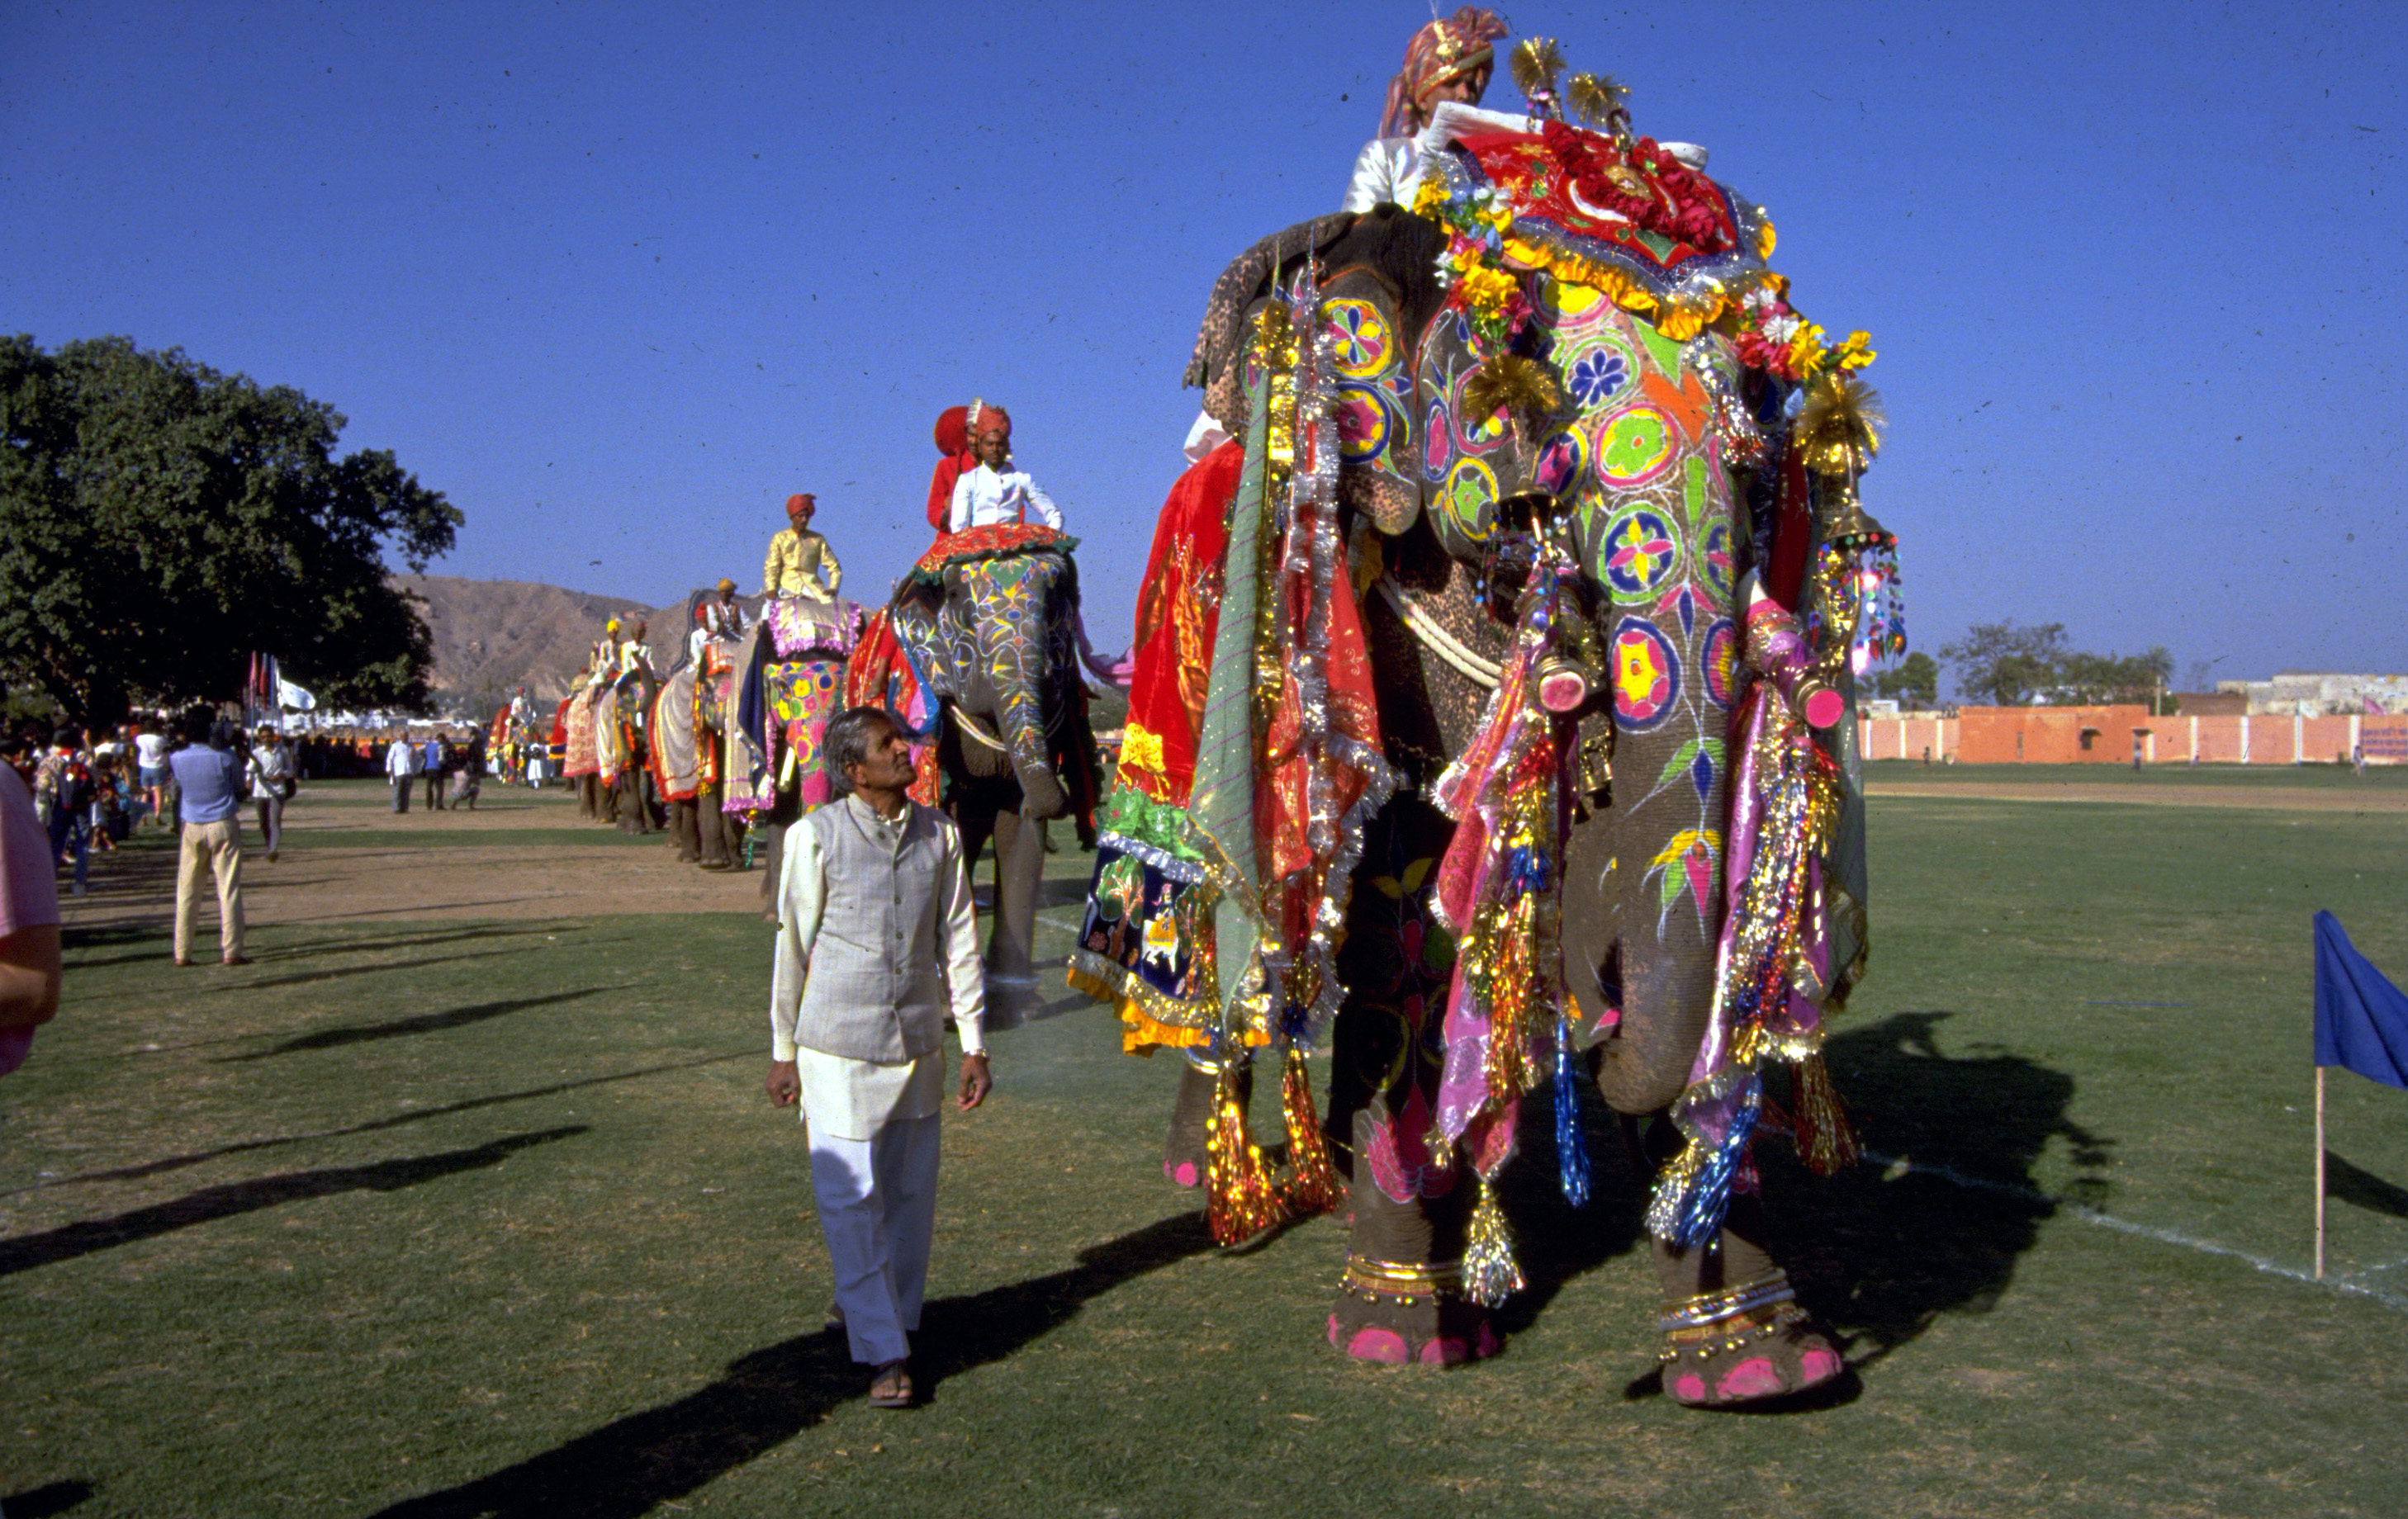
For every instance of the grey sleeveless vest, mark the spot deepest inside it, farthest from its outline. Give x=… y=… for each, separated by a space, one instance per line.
x=873 y=989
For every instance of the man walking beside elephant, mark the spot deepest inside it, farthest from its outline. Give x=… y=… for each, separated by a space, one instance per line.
x=876 y=945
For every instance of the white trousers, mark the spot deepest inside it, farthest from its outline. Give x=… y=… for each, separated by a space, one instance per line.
x=878 y=1209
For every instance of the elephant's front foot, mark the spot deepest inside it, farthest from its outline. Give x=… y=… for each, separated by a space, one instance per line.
x=1401 y=1314
x=1186 y=1149
x=1747 y=1344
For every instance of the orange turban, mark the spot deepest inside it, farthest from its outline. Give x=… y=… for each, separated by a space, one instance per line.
x=1442 y=50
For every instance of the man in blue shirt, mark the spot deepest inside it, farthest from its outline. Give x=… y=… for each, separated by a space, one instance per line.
x=438 y=761
x=208 y=779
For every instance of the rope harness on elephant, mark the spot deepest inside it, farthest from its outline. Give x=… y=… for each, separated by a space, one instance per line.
x=1459 y=656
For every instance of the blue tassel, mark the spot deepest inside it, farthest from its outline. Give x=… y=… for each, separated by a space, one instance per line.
x=1572 y=1145
x=1694 y=1214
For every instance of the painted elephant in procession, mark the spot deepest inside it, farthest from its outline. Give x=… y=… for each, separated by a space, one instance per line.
x=1592 y=488
x=987 y=626
x=737 y=723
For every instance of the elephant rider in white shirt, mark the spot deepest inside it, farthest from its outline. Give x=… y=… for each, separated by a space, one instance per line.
x=993 y=491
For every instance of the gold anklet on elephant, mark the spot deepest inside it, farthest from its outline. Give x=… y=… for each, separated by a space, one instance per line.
x=1404 y=1282
x=1719 y=1322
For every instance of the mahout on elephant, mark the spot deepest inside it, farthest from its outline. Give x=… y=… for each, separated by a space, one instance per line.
x=1523 y=752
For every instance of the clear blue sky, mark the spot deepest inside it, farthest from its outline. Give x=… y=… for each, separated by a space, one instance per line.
x=618 y=280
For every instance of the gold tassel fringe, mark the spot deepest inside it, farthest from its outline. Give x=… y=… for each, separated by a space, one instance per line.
x=1490 y=1274
x=1240 y=1198
x=1311 y=1185
x=1827 y=1141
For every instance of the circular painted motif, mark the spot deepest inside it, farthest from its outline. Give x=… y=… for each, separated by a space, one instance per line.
x=1561 y=459
x=1640 y=549
x=1715 y=560
x=1634 y=446
x=1438 y=449
x=1470 y=497
x=1722 y=663
x=1363 y=342
x=1479 y=434
x=1596 y=375
x=1563 y=304
x=1646 y=675
x=1362 y=422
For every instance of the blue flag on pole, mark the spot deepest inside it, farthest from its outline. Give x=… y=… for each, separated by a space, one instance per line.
x=2361 y=1018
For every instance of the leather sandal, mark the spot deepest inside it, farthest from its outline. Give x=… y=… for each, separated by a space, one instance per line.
x=890 y=1385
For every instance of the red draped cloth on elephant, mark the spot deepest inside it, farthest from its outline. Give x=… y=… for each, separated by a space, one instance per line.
x=1177 y=611
x=881 y=675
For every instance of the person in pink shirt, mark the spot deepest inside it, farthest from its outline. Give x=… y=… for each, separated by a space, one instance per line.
x=29 y=923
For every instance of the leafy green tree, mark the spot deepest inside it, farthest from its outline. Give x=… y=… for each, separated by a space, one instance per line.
x=1914 y=684
x=2112 y=678
x=2005 y=665
x=160 y=522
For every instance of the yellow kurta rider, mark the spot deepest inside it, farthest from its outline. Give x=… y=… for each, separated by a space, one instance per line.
x=797 y=556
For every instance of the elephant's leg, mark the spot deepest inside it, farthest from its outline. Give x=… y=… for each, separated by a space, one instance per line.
x=634 y=812
x=684 y=831
x=1732 y=1332
x=1186 y=1149
x=1401 y=1299
x=771 y=855
x=712 y=822
x=1019 y=873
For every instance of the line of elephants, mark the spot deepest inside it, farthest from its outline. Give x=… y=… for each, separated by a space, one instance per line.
x=981 y=653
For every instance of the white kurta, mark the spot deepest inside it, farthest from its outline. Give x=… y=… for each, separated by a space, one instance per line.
x=1387 y=169
x=853 y=1098
x=983 y=497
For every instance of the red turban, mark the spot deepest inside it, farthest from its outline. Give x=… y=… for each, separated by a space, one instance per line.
x=953 y=430
x=1442 y=50
x=800 y=499
x=989 y=415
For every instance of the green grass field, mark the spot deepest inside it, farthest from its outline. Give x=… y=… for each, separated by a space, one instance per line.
x=463 y=1218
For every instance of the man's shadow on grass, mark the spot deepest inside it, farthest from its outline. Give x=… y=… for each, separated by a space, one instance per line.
x=425 y=1022
x=1878 y=1251
x=632 y=1465
x=206 y=1206
x=159 y=943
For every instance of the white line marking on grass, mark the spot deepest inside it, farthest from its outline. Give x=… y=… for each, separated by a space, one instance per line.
x=2355 y=1285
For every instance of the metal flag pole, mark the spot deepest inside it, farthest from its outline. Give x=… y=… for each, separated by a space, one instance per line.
x=2320 y=1173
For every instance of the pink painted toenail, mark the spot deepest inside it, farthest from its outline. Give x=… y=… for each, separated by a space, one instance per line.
x=1445 y=1351
x=1486 y=1343
x=1184 y=1173
x=1333 y=1328
x=1752 y=1378
x=1689 y=1387
x=1821 y=1364
x=1373 y=1343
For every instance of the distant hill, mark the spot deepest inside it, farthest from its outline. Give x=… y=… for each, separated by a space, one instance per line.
x=491 y=636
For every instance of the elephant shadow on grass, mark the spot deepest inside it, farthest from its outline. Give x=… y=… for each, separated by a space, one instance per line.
x=1880 y=1251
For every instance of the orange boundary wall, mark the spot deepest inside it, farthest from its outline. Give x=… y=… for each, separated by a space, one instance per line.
x=2108 y=735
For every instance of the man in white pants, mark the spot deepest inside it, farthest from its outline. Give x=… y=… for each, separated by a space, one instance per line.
x=876 y=944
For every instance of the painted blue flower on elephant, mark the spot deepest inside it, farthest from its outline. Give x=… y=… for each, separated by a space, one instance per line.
x=1640 y=549
x=1598 y=375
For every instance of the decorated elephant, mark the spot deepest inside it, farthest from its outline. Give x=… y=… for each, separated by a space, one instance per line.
x=1545 y=536
x=738 y=722
x=982 y=643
